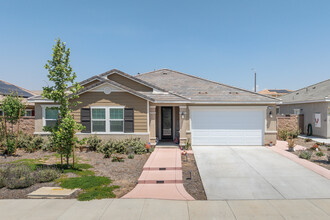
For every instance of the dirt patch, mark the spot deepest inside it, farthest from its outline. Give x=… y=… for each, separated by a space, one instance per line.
x=322 y=161
x=20 y=154
x=193 y=186
x=124 y=174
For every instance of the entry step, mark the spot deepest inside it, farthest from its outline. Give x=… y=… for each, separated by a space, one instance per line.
x=157 y=177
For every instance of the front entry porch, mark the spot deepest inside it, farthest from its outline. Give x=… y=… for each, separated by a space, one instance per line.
x=167 y=125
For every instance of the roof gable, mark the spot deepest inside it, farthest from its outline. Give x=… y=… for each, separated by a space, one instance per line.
x=316 y=92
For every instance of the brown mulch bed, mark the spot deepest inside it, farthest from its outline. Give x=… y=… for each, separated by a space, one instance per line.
x=124 y=174
x=322 y=161
x=193 y=186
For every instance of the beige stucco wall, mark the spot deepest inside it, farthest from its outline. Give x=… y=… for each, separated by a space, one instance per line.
x=308 y=110
x=90 y=99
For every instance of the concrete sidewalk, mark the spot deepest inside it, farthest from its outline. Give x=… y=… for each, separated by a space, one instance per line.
x=126 y=209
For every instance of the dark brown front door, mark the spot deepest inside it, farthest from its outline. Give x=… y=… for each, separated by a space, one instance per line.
x=167 y=125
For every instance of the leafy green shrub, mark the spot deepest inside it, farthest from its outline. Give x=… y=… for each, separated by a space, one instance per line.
x=24 y=140
x=294 y=133
x=46 y=175
x=107 y=149
x=19 y=176
x=127 y=146
x=100 y=192
x=85 y=182
x=305 y=155
x=117 y=159
x=319 y=154
x=2 y=177
x=283 y=134
x=94 y=143
x=10 y=144
x=29 y=143
x=131 y=156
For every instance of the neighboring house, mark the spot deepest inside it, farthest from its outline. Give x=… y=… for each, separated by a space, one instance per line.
x=26 y=124
x=314 y=103
x=275 y=92
x=167 y=105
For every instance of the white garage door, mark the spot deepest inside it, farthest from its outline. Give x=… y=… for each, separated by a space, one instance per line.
x=227 y=126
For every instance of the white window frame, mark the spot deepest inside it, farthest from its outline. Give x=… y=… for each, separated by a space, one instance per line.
x=44 y=113
x=107 y=119
x=28 y=110
x=98 y=132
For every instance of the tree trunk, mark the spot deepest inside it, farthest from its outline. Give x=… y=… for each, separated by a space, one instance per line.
x=19 y=118
x=67 y=160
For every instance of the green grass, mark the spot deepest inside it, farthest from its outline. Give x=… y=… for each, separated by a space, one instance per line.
x=32 y=163
x=80 y=169
x=100 y=192
x=84 y=182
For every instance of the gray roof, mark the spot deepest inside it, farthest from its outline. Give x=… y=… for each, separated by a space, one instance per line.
x=6 y=88
x=197 y=89
x=317 y=92
x=172 y=86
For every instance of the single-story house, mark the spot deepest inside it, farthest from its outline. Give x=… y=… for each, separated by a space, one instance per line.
x=167 y=105
x=313 y=102
x=7 y=88
x=27 y=117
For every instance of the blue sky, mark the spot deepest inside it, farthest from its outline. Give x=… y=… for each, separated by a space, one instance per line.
x=287 y=42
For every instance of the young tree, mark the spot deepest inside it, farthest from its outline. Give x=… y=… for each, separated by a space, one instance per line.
x=13 y=108
x=63 y=92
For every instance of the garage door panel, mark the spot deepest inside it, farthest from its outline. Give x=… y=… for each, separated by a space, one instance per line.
x=227 y=127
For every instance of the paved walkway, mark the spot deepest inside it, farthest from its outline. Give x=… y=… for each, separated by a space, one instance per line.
x=281 y=147
x=317 y=139
x=161 y=177
x=126 y=209
x=256 y=172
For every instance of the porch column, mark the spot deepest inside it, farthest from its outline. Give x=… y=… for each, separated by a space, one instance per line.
x=183 y=125
x=152 y=125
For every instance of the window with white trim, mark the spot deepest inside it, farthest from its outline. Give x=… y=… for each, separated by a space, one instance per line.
x=116 y=119
x=98 y=120
x=107 y=119
x=28 y=112
x=51 y=116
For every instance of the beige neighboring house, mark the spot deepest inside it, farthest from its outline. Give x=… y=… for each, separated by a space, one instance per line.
x=275 y=92
x=27 y=119
x=167 y=105
x=313 y=102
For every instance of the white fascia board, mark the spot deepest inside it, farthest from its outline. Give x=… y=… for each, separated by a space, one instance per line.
x=40 y=101
x=304 y=102
x=227 y=107
x=224 y=103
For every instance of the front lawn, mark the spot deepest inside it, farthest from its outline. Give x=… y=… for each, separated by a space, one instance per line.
x=107 y=179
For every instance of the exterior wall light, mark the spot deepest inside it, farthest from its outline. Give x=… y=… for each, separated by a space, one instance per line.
x=182 y=114
x=270 y=111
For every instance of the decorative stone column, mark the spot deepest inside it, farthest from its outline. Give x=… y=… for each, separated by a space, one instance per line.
x=152 y=125
x=183 y=125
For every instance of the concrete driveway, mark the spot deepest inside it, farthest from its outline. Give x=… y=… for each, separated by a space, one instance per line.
x=248 y=172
